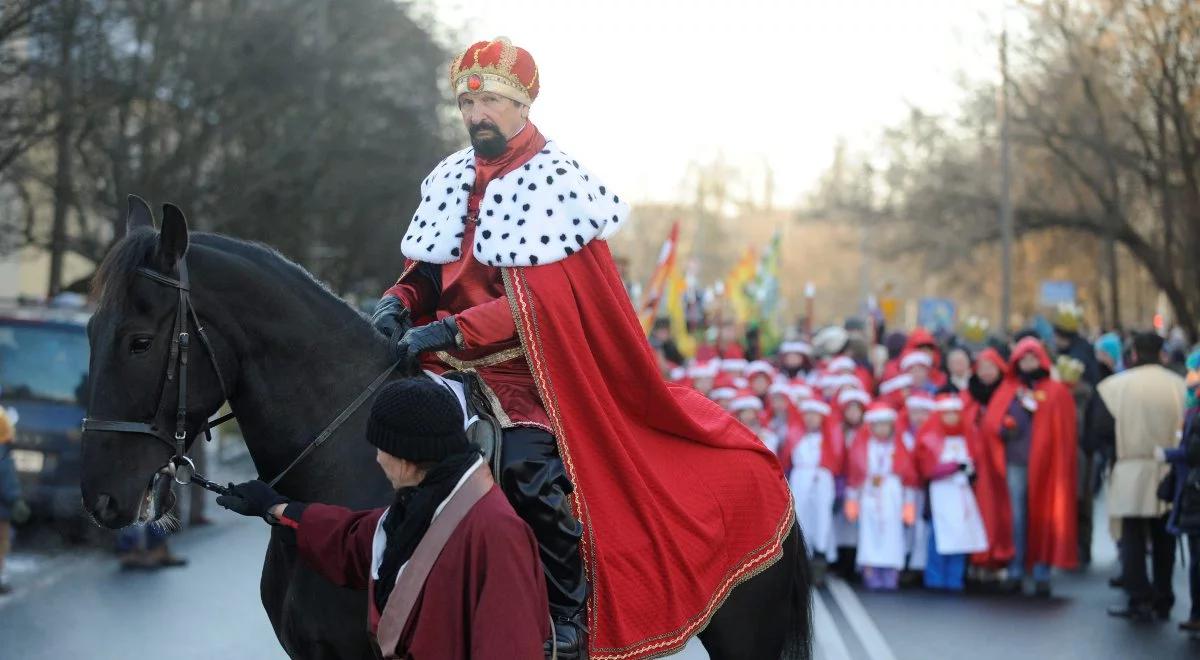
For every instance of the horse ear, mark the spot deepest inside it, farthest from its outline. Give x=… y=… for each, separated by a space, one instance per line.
x=173 y=239
x=138 y=214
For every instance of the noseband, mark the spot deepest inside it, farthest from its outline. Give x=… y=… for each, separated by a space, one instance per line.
x=176 y=369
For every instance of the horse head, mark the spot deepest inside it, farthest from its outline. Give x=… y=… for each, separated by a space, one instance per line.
x=135 y=346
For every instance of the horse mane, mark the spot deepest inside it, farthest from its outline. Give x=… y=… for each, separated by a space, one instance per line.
x=111 y=284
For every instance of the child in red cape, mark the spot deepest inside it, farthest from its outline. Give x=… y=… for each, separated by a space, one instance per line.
x=812 y=458
x=946 y=451
x=880 y=483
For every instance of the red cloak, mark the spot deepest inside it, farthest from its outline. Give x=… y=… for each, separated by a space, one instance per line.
x=991 y=483
x=679 y=502
x=833 y=450
x=1051 y=524
x=931 y=440
x=903 y=465
x=484 y=597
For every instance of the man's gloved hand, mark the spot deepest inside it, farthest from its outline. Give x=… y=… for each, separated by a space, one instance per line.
x=252 y=498
x=20 y=512
x=431 y=337
x=391 y=318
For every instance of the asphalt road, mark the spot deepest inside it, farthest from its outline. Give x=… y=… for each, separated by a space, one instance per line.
x=81 y=604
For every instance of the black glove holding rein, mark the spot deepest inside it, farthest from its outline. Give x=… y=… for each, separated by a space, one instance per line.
x=252 y=498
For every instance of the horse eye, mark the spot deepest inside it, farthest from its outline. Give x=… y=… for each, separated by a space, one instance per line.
x=140 y=345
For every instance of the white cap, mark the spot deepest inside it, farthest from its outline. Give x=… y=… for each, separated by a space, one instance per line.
x=801 y=347
x=857 y=396
x=948 y=404
x=919 y=402
x=733 y=364
x=708 y=369
x=879 y=415
x=746 y=403
x=815 y=406
x=914 y=359
x=722 y=393
x=780 y=387
x=678 y=373
x=841 y=363
x=801 y=391
x=895 y=383
x=758 y=367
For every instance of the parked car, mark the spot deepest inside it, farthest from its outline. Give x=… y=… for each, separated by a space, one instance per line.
x=43 y=385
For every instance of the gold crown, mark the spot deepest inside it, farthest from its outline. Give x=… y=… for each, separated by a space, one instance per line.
x=500 y=73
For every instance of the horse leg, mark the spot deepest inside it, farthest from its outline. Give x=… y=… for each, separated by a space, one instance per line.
x=769 y=615
x=313 y=619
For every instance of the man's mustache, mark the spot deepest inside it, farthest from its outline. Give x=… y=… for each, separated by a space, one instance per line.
x=484 y=126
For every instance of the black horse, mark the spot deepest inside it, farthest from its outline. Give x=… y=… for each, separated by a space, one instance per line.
x=291 y=355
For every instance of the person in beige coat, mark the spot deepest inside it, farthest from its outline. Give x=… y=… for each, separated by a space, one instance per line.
x=1140 y=410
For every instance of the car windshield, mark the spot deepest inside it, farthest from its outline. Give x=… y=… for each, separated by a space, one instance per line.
x=43 y=362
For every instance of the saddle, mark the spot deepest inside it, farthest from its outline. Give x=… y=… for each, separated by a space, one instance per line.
x=485 y=432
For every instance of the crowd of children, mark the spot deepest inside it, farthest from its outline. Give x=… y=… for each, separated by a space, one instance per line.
x=886 y=472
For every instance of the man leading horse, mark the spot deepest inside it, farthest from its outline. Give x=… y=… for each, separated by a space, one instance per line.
x=648 y=502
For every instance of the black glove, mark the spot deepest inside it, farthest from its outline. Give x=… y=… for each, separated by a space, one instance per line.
x=252 y=498
x=431 y=337
x=391 y=318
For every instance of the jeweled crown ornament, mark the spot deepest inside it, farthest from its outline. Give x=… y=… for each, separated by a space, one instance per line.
x=496 y=66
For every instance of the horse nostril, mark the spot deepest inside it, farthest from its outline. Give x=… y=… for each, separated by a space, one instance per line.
x=105 y=509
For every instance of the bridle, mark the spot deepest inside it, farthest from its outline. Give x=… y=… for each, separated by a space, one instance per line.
x=180 y=467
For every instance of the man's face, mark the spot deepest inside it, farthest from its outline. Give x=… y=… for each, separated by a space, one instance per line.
x=400 y=473
x=1029 y=363
x=987 y=371
x=920 y=375
x=813 y=421
x=491 y=120
x=760 y=383
x=958 y=364
x=749 y=417
x=852 y=414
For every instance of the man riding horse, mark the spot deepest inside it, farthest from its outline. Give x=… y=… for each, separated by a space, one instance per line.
x=648 y=502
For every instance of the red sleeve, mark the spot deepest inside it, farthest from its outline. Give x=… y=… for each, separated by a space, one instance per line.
x=511 y=616
x=417 y=293
x=336 y=542
x=487 y=324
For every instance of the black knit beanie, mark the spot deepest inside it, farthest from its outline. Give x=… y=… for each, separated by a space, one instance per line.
x=418 y=420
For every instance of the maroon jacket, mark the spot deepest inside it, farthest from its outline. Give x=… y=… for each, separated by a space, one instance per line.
x=485 y=597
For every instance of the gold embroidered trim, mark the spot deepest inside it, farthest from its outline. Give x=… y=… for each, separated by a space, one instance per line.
x=485 y=361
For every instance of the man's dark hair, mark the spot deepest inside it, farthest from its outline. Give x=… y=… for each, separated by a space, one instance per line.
x=1148 y=347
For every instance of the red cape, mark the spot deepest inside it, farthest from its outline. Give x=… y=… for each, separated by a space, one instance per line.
x=679 y=502
x=833 y=448
x=1051 y=525
x=903 y=465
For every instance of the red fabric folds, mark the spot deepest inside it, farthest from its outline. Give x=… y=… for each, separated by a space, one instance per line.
x=679 y=502
x=1053 y=468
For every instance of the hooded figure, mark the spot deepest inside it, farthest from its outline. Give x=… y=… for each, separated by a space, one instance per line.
x=991 y=489
x=1034 y=415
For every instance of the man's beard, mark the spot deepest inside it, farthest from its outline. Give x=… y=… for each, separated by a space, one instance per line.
x=491 y=145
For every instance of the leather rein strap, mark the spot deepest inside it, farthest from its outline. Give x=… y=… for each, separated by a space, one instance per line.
x=176 y=369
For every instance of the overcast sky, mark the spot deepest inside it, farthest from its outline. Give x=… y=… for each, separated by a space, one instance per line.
x=637 y=89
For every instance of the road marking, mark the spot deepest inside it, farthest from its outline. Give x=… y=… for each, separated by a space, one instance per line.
x=830 y=645
x=864 y=627
x=48 y=573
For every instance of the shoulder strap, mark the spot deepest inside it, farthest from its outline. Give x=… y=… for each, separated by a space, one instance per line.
x=412 y=578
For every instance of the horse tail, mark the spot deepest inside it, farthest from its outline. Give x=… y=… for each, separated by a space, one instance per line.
x=797 y=644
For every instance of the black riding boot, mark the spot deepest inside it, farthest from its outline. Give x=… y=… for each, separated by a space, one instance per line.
x=535 y=481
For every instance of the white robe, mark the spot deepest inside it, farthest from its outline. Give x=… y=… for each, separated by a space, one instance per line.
x=812 y=488
x=881 y=542
x=958 y=527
